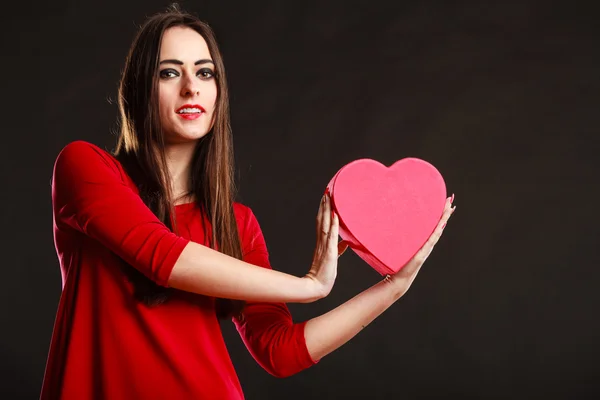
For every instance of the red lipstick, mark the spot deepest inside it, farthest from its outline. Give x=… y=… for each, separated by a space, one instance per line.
x=190 y=111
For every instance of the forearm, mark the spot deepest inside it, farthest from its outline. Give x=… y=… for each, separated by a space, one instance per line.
x=329 y=331
x=200 y=269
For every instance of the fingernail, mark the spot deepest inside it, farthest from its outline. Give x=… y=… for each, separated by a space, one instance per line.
x=443 y=226
x=452 y=198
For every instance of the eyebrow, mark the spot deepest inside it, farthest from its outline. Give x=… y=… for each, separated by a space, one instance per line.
x=203 y=61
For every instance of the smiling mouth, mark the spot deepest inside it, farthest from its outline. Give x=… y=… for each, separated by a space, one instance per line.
x=190 y=109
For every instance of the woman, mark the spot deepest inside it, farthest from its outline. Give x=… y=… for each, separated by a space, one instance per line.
x=153 y=249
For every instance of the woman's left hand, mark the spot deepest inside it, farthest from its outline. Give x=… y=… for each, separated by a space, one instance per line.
x=405 y=277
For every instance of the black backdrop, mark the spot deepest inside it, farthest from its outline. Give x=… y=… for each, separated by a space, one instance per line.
x=502 y=97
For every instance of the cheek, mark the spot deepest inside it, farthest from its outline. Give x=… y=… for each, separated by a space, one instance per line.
x=211 y=97
x=162 y=102
x=165 y=97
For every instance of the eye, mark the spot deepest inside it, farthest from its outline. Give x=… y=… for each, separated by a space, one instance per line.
x=168 y=73
x=205 y=73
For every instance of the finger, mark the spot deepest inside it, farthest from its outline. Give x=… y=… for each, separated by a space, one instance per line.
x=427 y=248
x=448 y=203
x=334 y=228
x=439 y=229
x=334 y=231
x=326 y=219
x=447 y=209
x=446 y=215
x=320 y=217
x=437 y=232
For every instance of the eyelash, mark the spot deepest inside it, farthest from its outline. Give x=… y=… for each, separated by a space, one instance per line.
x=204 y=71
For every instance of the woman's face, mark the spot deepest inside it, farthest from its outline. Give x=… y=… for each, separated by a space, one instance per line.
x=187 y=87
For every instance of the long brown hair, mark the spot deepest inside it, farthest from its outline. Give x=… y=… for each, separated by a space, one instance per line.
x=140 y=148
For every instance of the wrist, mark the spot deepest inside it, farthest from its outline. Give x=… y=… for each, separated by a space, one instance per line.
x=396 y=285
x=312 y=289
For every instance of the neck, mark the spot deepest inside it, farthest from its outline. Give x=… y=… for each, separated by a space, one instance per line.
x=179 y=160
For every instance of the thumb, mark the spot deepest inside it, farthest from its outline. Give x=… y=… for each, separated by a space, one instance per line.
x=342 y=246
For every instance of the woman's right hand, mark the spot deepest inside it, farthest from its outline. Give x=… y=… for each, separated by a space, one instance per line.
x=323 y=270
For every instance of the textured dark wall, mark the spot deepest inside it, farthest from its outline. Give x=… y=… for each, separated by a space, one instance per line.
x=502 y=97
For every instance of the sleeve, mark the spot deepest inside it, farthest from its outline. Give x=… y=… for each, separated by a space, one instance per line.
x=90 y=195
x=267 y=329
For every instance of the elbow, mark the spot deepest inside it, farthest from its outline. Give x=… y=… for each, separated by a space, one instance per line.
x=284 y=375
x=280 y=349
x=282 y=371
x=283 y=363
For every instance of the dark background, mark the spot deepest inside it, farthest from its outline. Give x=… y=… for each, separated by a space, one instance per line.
x=502 y=97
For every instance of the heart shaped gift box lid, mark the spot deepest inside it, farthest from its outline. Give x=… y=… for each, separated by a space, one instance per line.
x=387 y=214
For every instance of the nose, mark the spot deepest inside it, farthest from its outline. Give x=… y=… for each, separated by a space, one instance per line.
x=190 y=86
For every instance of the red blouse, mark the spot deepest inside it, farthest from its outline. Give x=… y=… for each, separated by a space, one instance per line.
x=106 y=344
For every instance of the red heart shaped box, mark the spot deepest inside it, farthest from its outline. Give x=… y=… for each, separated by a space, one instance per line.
x=387 y=214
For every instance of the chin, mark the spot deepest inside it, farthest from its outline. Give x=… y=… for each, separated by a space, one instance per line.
x=197 y=135
x=188 y=134
x=183 y=138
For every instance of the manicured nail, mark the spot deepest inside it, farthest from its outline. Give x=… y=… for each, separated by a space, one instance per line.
x=452 y=198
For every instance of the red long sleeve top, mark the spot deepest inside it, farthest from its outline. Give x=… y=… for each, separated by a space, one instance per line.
x=106 y=344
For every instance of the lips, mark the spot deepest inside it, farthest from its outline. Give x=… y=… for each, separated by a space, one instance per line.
x=190 y=111
x=190 y=108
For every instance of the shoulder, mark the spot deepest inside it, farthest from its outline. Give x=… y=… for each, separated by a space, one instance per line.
x=84 y=158
x=82 y=152
x=246 y=220
x=242 y=213
x=251 y=234
x=81 y=162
